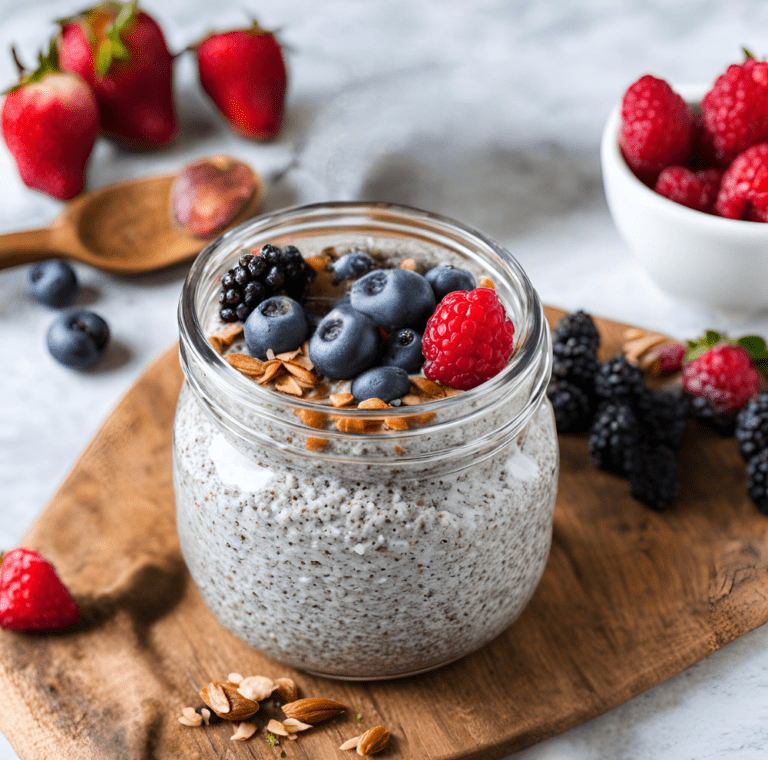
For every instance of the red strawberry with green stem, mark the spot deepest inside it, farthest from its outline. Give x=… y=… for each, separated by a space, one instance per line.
x=50 y=121
x=243 y=72
x=121 y=52
x=32 y=598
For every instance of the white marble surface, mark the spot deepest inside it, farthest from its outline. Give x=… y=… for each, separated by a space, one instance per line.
x=487 y=111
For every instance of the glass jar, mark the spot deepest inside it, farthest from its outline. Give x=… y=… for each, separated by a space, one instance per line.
x=365 y=554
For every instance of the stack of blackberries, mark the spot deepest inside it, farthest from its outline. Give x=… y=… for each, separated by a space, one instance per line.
x=633 y=430
x=272 y=272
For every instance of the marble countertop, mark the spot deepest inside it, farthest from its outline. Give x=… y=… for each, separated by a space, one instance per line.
x=490 y=112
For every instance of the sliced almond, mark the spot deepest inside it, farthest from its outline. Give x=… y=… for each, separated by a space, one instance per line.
x=349 y=425
x=351 y=743
x=427 y=387
x=226 y=337
x=271 y=370
x=293 y=726
x=288 y=384
x=409 y=264
x=244 y=731
x=373 y=740
x=245 y=364
x=342 y=399
x=190 y=718
x=313 y=709
x=234 y=678
x=411 y=399
x=287 y=356
x=396 y=423
x=486 y=282
x=277 y=728
x=312 y=418
x=423 y=419
x=318 y=263
x=316 y=444
x=633 y=333
x=304 y=361
x=300 y=373
x=399 y=450
x=256 y=688
x=373 y=403
x=227 y=702
x=271 y=355
x=286 y=690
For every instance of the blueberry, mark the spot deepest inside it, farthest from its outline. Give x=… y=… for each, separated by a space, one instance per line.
x=403 y=349
x=447 y=279
x=53 y=283
x=77 y=338
x=394 y=298
x=278 y=323
x=345 y=344
x=350 y=266
x=386 y=383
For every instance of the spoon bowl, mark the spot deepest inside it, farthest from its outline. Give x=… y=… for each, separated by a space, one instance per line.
x=125 y=228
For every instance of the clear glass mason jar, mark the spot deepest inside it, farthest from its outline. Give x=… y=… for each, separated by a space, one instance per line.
x=382 y=554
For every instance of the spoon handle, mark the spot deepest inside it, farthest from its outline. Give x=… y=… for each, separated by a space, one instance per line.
x=28 y=246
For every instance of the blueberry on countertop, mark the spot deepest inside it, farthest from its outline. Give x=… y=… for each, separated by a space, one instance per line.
x=78 y=338
x=351 y=266
x=403 y=349
x=279 y=323
x=53 y=283
x=447 y=279
x=394 y=298
x=385 y=383
x=344 y=344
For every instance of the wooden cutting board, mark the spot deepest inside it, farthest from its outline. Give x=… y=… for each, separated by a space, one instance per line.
x=629 y=597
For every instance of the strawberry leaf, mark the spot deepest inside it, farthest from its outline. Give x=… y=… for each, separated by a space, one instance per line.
x=113 y=48
x=755 y=346
x=698 y=347
x=46 y=64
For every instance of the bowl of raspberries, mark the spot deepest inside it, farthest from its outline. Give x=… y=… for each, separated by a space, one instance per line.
x=685 y=171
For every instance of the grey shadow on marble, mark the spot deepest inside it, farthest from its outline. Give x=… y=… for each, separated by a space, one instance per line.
x=117 y=355
x=87 y=296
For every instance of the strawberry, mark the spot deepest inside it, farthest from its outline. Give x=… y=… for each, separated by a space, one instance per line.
x=243 y=72
x=121 y=52
x=32 y=598
x=50 y=121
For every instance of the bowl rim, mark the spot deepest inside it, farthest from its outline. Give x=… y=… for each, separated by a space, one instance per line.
x=610 y=155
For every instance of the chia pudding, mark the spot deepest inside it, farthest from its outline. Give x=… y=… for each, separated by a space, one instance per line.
x=378 y=555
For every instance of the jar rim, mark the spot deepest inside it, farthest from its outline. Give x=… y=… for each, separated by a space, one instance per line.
x=529 y=333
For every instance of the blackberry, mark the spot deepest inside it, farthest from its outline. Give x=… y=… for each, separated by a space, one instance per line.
x=614 y=437
x=752 y=426
x=575 y=361
x=572 y=408
x=757 y=480
x=653 y=476
x=272 y=272
x=577 y=325
x=663 y=416
x=618 y=379
x=704 y=412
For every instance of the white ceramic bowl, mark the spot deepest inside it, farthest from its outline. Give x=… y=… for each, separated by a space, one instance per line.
x=721 y=264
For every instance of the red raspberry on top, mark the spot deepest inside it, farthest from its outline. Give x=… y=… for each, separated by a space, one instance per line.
x=724 y=375
x=697 y=190
x=657 y=128
x=468 y=339
x=735 y=110
x=32 y=598
x=744 y=189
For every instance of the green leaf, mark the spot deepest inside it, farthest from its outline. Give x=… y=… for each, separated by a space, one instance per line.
x=113 y=48
x=755 y=346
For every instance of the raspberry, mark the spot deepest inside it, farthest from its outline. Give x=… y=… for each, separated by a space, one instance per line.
x=735 y=110
x=32 y=598
x=744 y=189
x=697 y=190
x=657 y=128
x=468 y=339
x=724 y=375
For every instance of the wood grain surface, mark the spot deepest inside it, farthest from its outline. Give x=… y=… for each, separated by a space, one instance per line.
x=629 y=597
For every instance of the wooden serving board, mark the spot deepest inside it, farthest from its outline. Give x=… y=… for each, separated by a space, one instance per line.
x=629 y=597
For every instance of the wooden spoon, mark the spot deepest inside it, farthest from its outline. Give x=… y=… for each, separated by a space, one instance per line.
x=125 y=228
